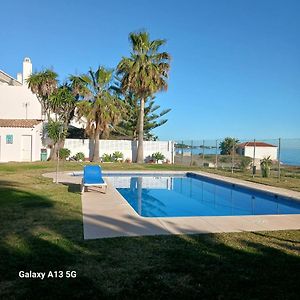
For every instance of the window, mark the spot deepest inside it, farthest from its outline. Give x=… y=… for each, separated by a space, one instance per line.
x=9 y=139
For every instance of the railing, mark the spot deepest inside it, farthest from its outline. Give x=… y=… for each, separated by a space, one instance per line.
x=269 y=158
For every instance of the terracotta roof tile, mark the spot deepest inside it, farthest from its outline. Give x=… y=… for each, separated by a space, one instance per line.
x=257 y=144
x=23 y=123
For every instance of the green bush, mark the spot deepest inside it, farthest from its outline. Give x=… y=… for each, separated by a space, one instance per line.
x=244 y=163
x=118 y=156
x=224 y=158
x=265 y=165
x=79 y=156
x=64 y=153
x=158 y=156
x=107 y=157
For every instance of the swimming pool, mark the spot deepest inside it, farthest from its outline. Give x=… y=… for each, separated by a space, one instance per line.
x=163 y=195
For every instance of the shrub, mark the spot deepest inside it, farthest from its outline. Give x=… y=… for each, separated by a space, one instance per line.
x=224 y=159
x=265 y=165
x=79 y=156
x=158 y=156
x=64 y=153
x=118 y=156
x=245 y=163
x=107 y=157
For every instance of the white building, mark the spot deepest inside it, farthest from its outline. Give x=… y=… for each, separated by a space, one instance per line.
x=20 y=118
x=21 y=126
x=262 y=150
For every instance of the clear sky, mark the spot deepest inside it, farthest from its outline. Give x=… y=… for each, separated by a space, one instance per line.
x=235 y=67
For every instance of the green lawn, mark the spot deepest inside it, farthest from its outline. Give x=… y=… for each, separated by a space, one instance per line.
x=41 y=230
x=287 y=181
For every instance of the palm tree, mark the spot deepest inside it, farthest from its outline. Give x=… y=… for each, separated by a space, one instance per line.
x=98 y=105
x=78 y=86
x=56 y=132
x=144 y=73
x=62 y=103
x=266 y=164
x=43 y=84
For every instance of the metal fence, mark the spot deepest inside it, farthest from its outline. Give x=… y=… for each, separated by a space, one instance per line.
x=248 y=157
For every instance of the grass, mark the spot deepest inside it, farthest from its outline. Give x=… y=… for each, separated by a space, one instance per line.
x=286 y=181
x=41 y=230
x=290 y=175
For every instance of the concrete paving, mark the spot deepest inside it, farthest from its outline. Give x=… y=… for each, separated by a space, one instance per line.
x=110 y=215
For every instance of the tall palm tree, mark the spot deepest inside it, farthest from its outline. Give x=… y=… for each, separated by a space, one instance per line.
x=43 y=84
x=144 y=73
x=98 y=105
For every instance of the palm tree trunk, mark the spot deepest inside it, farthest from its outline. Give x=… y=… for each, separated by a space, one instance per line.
x=140 y=149
x=96 y=155
x=62 y=141
x=53 y=152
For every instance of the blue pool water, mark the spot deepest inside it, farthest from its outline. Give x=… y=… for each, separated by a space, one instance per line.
x=194 y=195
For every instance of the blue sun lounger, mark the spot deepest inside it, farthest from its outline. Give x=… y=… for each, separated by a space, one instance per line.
x=92 y=176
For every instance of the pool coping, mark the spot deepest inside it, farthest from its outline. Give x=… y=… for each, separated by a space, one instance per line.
x=110 y=215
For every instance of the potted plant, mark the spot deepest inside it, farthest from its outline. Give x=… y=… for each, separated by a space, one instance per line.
x=64 y=153
x=107 y=158
x=158 y=157
x=118 y=156
x=265 y=165
x=79 y=156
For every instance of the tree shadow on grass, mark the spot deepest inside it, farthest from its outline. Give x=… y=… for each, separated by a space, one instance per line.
x=72 y=187
x=33 y=237
x=277 y=238
x=36 y=236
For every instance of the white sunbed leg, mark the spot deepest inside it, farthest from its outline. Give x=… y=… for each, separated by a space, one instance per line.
x=82 y=188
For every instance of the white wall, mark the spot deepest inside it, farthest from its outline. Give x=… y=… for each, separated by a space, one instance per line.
x=165 y=147
x=261 y=152
x=111 y=146
x=12 y=99
x=13 y=152
x=128 y=148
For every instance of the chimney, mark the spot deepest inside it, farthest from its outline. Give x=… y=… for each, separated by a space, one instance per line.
x=19 y=77
x=27 y=69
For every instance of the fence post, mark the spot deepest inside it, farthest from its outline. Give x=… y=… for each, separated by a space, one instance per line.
x=181 y=152
x=216 y=164
x=279 y=150
x=192 y=144
x=203 y=143
x=232 y=156
x=253 y=160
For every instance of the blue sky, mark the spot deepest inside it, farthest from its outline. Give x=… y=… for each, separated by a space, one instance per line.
x=235 y=67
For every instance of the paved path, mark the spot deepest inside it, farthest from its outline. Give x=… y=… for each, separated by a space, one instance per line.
x=110 y=215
